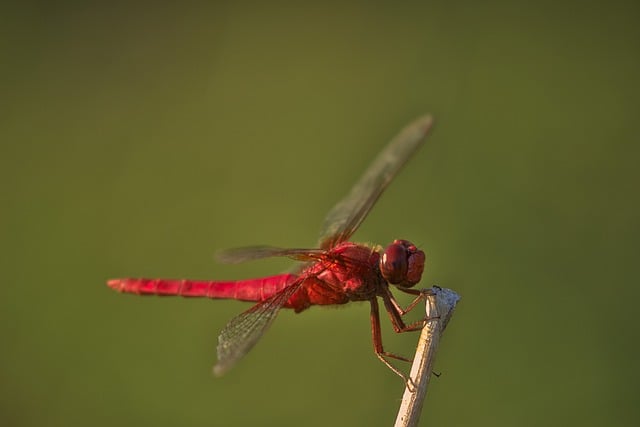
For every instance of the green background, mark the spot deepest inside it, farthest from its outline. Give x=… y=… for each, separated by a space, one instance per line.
x=137 y=139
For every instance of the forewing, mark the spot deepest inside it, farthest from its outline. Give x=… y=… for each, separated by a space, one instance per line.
x=345 y=217
x=250 y=253
x=244 y=330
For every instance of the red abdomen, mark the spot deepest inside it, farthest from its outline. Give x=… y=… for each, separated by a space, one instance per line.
x=243 y=290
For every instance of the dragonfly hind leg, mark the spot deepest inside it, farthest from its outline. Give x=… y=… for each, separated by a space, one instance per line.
x=377 y=342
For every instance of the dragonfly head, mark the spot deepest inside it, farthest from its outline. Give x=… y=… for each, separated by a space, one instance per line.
x=401 y=263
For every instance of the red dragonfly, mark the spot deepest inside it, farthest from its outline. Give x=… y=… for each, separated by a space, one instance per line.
x=337 y=272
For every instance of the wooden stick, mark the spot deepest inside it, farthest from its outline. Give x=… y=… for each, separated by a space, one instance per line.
x=440 y=303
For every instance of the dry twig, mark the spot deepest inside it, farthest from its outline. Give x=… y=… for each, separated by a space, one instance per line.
x=440 y=303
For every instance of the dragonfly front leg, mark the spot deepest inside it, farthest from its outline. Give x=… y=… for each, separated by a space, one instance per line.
x=396 y=312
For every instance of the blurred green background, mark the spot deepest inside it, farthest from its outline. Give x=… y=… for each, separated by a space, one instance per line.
x=136 y=139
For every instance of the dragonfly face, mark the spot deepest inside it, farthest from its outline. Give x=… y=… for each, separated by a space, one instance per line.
x=402 y=264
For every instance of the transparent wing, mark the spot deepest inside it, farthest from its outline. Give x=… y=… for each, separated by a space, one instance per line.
x=345 y=217
x=243 y=331
x=250 y=253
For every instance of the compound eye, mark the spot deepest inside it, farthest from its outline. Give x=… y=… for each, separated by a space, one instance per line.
x=402 y=264
x=395 y=263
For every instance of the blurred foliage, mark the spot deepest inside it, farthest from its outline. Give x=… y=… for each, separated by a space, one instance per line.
x=136 y=139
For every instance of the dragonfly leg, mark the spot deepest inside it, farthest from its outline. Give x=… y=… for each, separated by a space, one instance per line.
x=396 y=312
x=379 y=349
x=421 y=295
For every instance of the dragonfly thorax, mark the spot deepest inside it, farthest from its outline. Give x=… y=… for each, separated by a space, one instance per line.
x=401 y=263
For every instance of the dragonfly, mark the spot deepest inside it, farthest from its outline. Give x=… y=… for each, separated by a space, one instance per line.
x=338 y=271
